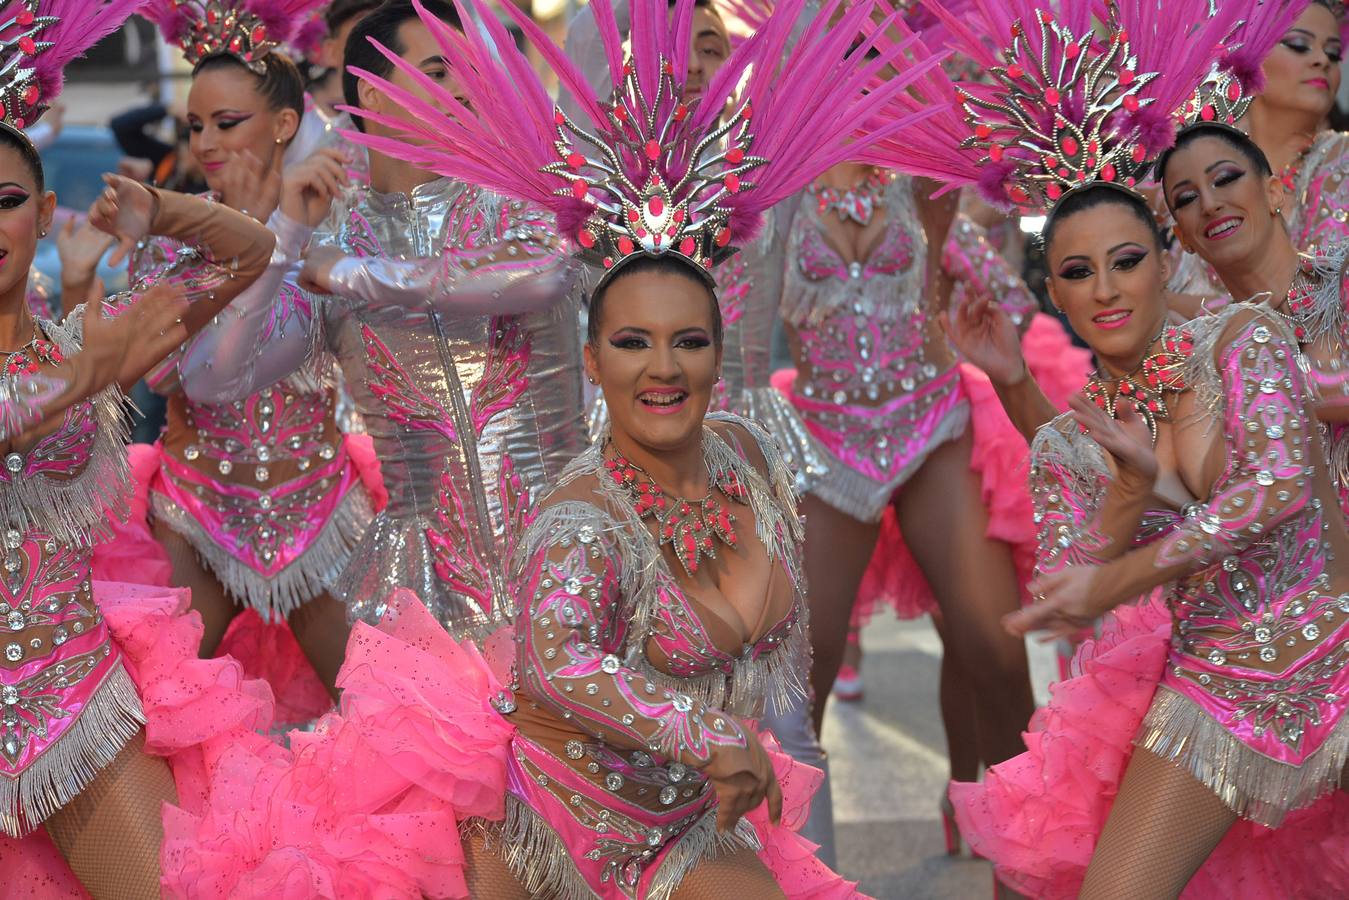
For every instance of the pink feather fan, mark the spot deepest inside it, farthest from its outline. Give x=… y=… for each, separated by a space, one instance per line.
x=640 y=170
x=1078 y=92
x=49 y=34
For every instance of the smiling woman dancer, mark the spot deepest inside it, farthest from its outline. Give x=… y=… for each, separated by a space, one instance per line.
x=1189 y=465
x=96 y=679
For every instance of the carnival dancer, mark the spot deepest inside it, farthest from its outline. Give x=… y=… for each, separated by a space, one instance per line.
x=645 y=648
x=98 y=679
x=454 y=316
x=259 y=501
x=1191 y=466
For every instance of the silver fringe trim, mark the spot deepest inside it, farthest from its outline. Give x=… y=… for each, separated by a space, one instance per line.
x=542 y=862
x=865 y=499
x=112 y=717
x=75 y=511
x=314 y=572
x=1328 y=316
x=1251 y=784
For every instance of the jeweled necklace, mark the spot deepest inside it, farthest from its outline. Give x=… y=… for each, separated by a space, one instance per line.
x=1146 y=386
x=26 y=358
x=689 y=526
x=857 y=203
x=1301 y=298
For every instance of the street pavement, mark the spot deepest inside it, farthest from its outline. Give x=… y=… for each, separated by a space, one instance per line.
x=888 y=765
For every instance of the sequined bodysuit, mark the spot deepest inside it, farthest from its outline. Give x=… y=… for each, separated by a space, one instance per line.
x=628 y=684
x=469 y=411
x=1253 y=698
x=876 y=381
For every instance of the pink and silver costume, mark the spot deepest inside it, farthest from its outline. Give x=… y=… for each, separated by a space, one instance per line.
x=1244 y=682
x=469 y=411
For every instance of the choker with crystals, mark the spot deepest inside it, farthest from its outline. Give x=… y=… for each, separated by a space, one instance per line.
x=857 y=203
x=26 y=359
x=690 y=527
x=1146 y=386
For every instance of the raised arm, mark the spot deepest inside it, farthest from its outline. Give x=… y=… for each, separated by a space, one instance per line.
x=976 y=268
x=497 y=261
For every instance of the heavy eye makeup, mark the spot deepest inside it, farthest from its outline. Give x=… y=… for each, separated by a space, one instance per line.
x=223 y=122
x=637 y=340
x=1221 y=178
x=12 y=197
x=1078 y=269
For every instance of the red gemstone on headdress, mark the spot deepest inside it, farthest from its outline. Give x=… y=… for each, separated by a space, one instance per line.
x=586 y=237
x=1015 y=71
x=995 y=152
x=633 y=215
x=1126 y=77
x=1207 y=113
x=686 y=246
x=1108 y=173
x=735 y=155
x=30 y=94
x=1131 y=103
x=723 y=237
x=235 y=44
x=621 y=113
x=679 y=214
x=1123 y=37
x=652 y=150
x=627 y=68
x=579 y=189
x=608 y=262
x=1051 y=96
x=625 y=245
x=681 y=111
x=1072 y=51
x=707 y=263
x=212 y=16
x=1046 y=16
x=656 y=206
x=27 y=46
x=575 y=160
x=1138 y=153
x=259 y=34
x=1054 y=191
x=24 y=18
x=1069 y=145
x=748 y=113
x=732 y=182
x=1233 y=91
x=982 y=132
x=558 y=118
x=666 y=68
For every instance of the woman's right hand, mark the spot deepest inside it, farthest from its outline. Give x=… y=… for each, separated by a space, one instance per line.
x=308 y=189
x=743 y=777
x=986 y=336
x=1126 y=438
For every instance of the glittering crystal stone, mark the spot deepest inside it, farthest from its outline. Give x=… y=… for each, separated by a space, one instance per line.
x=264 y=453
x=60 y=636
x=677 y=771
x=261 y=473
x=610 y=664
x=13 y=652
x=668 y=795
x=10 y=694
x=1343 y=602
x=654 y=837
x=1263 y=634
x=1260 y=335
x=11 y=746
x=1217 y=657
x=682 y=702
x=628 y=719
x=14 y=620
x=13 y=539
x=586 y=535
x=14 y=462
x=191 y=452
x=265 y=501
x=1268 y=654
x=326 y=451
x=1311 y=631
x=1205 y=679
x=1274 y=432
x=572 y=586
x=225 y=467
x=613 y=781
x=1269 y=385
x=575 y=750
x=1264 y=477
x=504 y=702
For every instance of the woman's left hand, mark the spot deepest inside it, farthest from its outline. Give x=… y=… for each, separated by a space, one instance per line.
x=1066 y=601
x=124 y=210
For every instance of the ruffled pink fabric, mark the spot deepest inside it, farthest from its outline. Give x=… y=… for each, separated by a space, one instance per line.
x=790 y=857
x=368 y=804
x=131 y=554
x=361 y=450
x=1001 y=458
x=194 y=709
x=1038 y=816
x=269 y=651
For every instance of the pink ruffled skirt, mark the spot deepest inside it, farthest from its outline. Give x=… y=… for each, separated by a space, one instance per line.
x=1038 y=816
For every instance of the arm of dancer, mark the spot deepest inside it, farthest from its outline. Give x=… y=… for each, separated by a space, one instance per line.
x=572 y=629
x=1263 y=400
x=505 y=262
x=976 y=268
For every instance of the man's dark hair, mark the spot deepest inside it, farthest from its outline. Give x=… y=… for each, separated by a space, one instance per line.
x=382 y=25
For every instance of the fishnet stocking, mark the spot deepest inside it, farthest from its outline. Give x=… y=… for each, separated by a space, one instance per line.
x=735 y=876
x=488 y=876
x=1163 y=826
x=111 y=833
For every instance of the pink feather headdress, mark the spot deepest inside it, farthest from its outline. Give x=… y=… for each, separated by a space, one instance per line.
x=1237 y=78
x=641 y=171
x=245 y=29
x=38 y=39
x=1067 y=103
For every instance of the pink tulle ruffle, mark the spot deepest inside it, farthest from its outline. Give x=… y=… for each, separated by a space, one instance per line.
x=1038 y=816
x=269 y=651
x=368 y=804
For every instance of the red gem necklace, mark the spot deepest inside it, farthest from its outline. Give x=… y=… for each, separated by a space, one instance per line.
x=690 y=527
x=26 y=359
x=857 y=203
x=1146 y=386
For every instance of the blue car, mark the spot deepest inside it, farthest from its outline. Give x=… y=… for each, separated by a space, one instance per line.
x=73 y=167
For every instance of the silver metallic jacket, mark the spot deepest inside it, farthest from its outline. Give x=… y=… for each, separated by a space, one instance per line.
x=455 y=322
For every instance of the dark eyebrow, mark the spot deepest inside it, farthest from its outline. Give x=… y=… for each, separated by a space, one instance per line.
x=707 y=32
x=633 y=329
x=1219 y=163
x=696 y=328
x=5 y=184
x=431 y=60
x=1125 y=244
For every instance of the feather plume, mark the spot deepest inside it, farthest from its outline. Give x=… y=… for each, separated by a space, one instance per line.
x=796 y=116
x=245 y=29
x=80 y=24
x=1263 y=25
